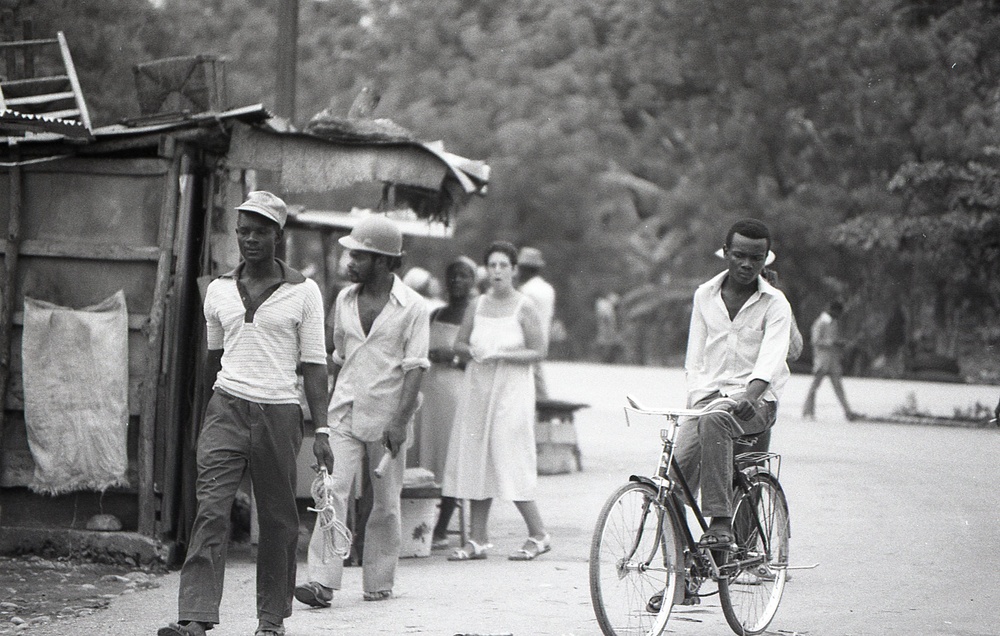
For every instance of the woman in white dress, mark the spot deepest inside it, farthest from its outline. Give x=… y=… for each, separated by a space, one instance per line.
x=492 y=449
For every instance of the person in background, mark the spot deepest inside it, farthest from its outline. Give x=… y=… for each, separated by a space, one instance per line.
x=263 y=320
x=795 y=343
x=442 y=384
x=609 y=337
x=423 y=282
x=828 y=348
x=492 y=448
x=380 y=341
x=737 y=347
x=529 y=274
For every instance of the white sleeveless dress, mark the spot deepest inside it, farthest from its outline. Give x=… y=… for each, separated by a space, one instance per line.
x=492 y=449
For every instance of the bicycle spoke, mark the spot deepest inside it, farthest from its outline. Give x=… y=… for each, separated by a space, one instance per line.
x=628 y=564
x=752 y=591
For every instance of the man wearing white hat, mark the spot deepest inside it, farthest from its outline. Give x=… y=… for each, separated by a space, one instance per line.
x=381 y=334
x=529 y=271
x=737 y=345
x=263 y=321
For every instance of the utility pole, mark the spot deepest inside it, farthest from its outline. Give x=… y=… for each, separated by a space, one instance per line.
x=287 y=48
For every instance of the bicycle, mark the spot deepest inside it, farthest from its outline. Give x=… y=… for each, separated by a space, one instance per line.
x=644 y=558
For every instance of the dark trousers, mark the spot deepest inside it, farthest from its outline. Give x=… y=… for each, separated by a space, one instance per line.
x=237 y=436
x=704 y=453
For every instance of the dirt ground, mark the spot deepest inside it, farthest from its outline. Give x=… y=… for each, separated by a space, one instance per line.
x=36 y=590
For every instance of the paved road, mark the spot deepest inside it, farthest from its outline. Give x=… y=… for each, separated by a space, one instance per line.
x=901 y=519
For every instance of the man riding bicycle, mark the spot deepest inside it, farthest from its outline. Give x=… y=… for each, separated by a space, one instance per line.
x=737 y=345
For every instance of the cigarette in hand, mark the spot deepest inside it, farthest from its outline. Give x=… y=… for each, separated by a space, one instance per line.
x=383 y=464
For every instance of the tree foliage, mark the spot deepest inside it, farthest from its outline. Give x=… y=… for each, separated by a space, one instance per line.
x=626 y=135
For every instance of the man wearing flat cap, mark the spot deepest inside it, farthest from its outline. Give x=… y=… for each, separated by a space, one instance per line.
x=529 y=272
x=381 y=334
x=264 y=320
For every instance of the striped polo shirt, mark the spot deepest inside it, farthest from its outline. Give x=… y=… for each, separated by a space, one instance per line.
x=263 y=346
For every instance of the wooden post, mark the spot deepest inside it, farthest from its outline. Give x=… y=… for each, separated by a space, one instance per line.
x=288 y=39
x=10 y=55
x=154 y=333
x=174 y=336
x=11 y=251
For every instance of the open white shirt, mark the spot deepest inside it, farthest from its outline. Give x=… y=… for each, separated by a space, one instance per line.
x=725 y=354
x=373 y=365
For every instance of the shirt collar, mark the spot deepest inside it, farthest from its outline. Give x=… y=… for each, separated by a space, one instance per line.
x=398 y=291
x=288 y=275
x=763 y=287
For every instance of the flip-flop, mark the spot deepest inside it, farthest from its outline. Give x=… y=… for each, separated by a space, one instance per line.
x=540 y=547
x=718 y=540
x=655 y=603
x=381 y=595
x=440 y=544
x=175 y=629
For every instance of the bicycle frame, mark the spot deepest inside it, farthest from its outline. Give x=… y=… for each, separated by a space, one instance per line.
x=667 y=482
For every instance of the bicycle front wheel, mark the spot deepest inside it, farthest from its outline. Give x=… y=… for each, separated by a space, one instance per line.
x=634 y=558
x=756 y=572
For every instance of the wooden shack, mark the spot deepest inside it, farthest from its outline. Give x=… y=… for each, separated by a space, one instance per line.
x=148 y=208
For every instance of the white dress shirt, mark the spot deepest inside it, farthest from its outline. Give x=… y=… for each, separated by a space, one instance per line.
x=725 y=354
x=544 y=296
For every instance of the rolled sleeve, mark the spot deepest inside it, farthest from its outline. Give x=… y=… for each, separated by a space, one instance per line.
x=416 y=350
x=415 y=363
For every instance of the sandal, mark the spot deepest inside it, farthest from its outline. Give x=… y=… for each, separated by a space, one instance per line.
x=440 y=544
x=532 y=548
x=192 y=628
x=381 y=595
x=654 y=603
x=270 y=630
x=313 y=594
x=478 y=552
x=718 y=539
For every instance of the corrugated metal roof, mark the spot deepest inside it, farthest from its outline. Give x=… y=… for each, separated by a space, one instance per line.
x=39 y=129
x=21 y=124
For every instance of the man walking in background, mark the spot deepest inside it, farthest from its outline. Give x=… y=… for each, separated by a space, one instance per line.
x=263 y=320
x=381 y=334
x=529 y=271
x=828 y=348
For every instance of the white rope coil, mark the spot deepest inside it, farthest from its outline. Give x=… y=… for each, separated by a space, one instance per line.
x=338 y=535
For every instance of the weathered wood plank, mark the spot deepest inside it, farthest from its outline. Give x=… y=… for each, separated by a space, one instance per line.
x=89 y=251
x=127 y=167
x=136 y=322
x=147 y=420
x=9 y=282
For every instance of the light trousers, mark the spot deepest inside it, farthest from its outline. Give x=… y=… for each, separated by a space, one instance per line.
x=704 y=454
x=382 y=532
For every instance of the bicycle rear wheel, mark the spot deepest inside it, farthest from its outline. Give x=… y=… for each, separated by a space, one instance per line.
x=634 y=556
x=757 y=570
